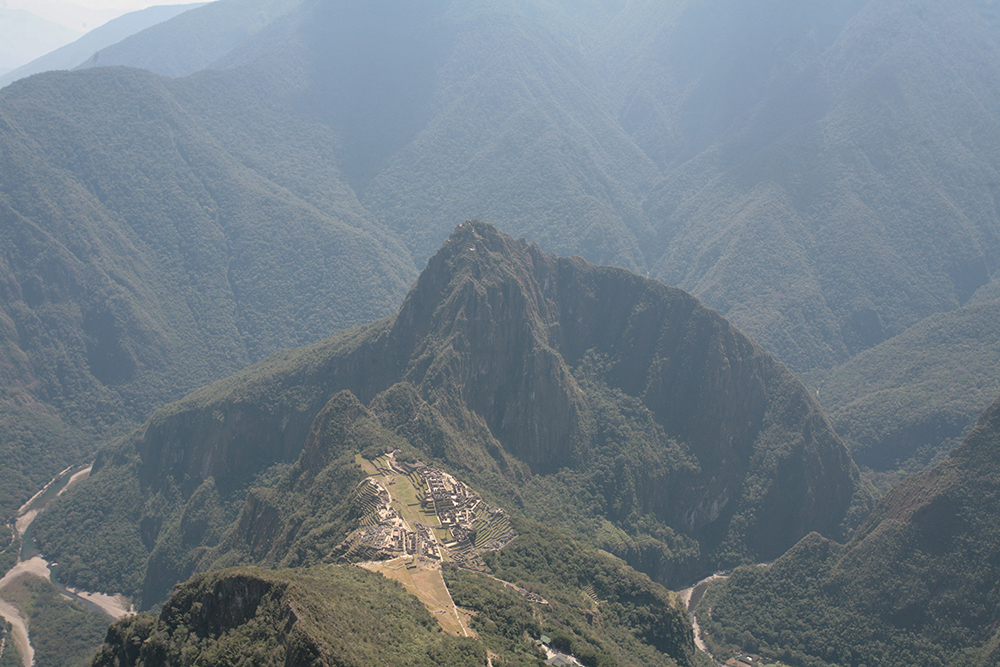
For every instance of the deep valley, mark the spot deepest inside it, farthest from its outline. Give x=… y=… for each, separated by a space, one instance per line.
x=469 y=333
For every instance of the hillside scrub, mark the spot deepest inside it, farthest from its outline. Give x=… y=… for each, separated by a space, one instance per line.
x=916 y=585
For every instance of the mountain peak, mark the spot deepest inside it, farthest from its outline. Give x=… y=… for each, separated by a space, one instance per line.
x=539 y=379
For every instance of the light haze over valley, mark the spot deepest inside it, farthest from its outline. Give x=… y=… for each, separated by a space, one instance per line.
x=469 y=333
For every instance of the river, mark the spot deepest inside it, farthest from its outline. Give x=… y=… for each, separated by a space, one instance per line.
x=691 y=597
x=32 y=564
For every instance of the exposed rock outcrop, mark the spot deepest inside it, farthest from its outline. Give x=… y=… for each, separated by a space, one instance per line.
x=507 y=364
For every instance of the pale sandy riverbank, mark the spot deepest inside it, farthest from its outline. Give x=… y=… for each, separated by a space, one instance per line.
x=22 y=522
x=36 y=566
x=691 y=597
x=20 y=631
x=115 y=606
x=75 y=479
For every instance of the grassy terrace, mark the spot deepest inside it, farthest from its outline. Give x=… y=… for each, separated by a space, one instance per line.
x=422 y=576
x=426 y=582
x=405 y=494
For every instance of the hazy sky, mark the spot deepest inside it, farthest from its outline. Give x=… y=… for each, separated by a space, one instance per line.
x=84 y=15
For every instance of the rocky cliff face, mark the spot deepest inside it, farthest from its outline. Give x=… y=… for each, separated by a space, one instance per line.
x=517 y=337
x=528 y=374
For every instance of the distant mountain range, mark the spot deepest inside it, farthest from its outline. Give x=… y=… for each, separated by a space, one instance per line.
x=821 y=175
x=730 y=145
x=25 y=36
x=77 y=52
x=193 y=41
x=821 y=179
x=239 y=198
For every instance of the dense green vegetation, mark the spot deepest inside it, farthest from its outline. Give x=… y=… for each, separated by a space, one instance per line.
x=787 y=164
x=99 y=530
x=11 y=655
x=141 y=259
x=319 y=616
x=770 y=224
x=505 y=621
x=629 y=441
x=916 y=585
x=138 y=502
x=63 y=633
x=600 y=610
x=823 y=175
x=903 y=405
x=740 y=152
x=35 y=444
x=814 y=220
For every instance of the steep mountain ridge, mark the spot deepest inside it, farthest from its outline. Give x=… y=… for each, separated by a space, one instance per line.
x=718 y=444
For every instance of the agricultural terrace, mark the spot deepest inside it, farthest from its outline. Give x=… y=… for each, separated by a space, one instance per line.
x=411 y=517
x=413 y=509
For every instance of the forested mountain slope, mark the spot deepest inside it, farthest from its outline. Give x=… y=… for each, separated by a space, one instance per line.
x=907 y=402
x=855 y=199
x=141 y=259
x=312 y=617
x=823 y=175
x=916 y=585
x=820 y=174
x=590 y=399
